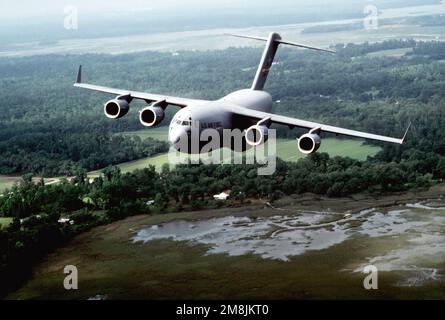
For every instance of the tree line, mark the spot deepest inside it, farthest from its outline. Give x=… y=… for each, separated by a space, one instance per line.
x=37 y=208
x=63 y=128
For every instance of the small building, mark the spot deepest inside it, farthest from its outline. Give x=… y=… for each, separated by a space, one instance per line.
x=65 y=220
x=37 y=216
x=222 y=196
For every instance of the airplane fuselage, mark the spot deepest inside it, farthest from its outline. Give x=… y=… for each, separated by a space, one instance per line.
x=216 y=115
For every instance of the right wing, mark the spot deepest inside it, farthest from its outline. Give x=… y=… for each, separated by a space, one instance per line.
x=148 y=97
x=292 y=122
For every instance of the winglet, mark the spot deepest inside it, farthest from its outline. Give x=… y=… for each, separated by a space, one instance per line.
x=79 y=75
x=406 y=132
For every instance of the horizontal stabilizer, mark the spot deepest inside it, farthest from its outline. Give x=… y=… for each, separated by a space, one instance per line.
x=305 y=46
x=272 y=43
x=246 y=37
x=281 y=42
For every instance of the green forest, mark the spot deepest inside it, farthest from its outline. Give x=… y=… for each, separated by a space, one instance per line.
x=62 y=129
x=49 y=128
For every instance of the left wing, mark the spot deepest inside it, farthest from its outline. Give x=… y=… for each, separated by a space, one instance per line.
x=292 y=122
x=149 y=97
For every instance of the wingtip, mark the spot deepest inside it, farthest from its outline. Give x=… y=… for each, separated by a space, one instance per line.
x=79 y=75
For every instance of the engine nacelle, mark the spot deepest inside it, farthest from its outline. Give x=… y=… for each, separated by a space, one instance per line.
x=309 y=143
x=257 y=135
x=151 y=116
x=116 y=108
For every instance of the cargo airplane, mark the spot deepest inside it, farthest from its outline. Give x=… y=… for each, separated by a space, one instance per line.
x=248 y=110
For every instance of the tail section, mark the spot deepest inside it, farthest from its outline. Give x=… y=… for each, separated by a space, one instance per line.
x=269 y=53
x=266 y=61
x=79 y=75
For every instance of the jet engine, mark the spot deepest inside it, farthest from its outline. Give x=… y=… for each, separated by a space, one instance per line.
x=116 y=108
x=151 y=116
x=257 y=135
x=309 y=143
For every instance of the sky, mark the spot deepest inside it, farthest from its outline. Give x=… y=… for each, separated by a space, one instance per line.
x=32 y=12
x=40 y=20
x=32 y=8
x=13 y=9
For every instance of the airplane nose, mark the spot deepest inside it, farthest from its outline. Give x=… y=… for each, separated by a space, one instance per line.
x=175 y=139
x=176 y=135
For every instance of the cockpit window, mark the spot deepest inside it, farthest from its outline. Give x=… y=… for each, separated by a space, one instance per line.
x=186 y=123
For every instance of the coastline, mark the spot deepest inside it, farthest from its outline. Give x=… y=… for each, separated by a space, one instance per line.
x=308 y=202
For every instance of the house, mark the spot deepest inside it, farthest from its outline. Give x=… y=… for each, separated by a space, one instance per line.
x=222 y=196
x=65 y=220
x=37 y=216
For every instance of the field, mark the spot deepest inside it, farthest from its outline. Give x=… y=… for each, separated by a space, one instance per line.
x=7 y=181
x=156 y=161
x=396 y=53
x=5 y=222
x=286 y=150
x=10 y=180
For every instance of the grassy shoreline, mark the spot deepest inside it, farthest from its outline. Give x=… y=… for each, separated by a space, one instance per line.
x=311 y=202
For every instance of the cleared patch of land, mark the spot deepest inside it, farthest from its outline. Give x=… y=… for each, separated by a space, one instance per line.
x=156 y=161
x=396 y=53
x=355 y=149
x=8 y=181
x=286 y=150
x=5 y=222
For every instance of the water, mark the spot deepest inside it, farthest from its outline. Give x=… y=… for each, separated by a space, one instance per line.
x=414 y=234
x=277 y=237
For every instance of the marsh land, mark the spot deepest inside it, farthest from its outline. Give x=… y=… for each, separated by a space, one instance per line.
x=305 y=247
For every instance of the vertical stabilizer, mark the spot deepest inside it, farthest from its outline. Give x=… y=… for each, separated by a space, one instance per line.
x=79 y=75
x=273 y=42
x=266 y=61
